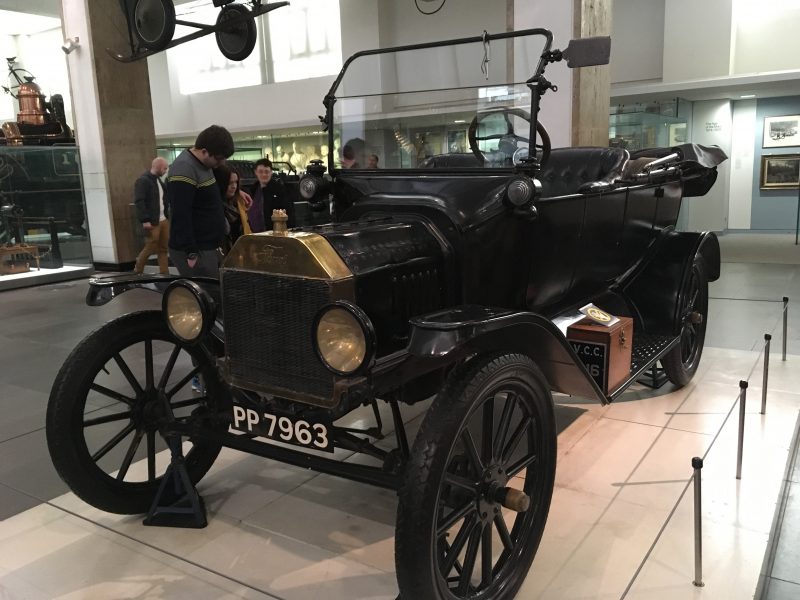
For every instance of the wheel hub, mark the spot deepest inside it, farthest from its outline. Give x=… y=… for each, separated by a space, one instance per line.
x=493 y=480
x=149 y=411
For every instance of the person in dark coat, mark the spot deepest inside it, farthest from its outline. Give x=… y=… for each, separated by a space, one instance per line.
x=153 y=213
x=234 y=204
x=268 y=193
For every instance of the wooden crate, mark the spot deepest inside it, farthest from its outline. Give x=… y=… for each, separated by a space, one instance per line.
x=606 y=351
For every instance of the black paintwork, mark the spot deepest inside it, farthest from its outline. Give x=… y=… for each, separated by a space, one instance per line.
x=445 y=267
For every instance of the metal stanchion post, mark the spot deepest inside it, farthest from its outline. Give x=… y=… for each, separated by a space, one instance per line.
x=742 y=404
x=785 y=320
x=767 y=340
x=697 y=464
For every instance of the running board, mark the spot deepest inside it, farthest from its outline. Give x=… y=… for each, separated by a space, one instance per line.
x=647 y=350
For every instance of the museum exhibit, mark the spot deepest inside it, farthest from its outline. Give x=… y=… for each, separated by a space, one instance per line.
x=400 y=299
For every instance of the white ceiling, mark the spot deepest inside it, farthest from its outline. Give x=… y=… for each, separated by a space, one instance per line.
x=17 y=23
x=46 y=8
x=761 y=85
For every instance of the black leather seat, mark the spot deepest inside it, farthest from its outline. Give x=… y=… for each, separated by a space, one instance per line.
x=582 y=170
x=451 y=161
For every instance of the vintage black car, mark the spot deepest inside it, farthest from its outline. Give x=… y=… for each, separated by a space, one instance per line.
x=446 y=273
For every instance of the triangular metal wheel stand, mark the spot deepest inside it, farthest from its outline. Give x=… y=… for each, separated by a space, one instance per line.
x=654 y=377
x=177 y=503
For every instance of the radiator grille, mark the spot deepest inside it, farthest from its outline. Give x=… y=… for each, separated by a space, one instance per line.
x=268 y=338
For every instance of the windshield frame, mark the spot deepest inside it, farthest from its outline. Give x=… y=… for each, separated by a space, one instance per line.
x=545 y=58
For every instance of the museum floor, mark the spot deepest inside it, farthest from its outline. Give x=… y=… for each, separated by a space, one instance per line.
x=277 y=531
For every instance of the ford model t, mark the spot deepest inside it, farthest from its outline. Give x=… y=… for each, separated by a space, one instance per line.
x=446 y=274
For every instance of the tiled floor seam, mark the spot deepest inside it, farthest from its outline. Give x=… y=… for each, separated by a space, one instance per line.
x=666 y=426
x=595 y=420
x=683 y=492
x=21 y=435
x=259 y=529
x=148 y=545
x=614 y=498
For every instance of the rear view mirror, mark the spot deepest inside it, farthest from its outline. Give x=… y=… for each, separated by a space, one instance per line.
x=587 y=52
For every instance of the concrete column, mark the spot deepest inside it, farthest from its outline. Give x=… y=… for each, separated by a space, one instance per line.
x=113 y=123
x=591 y=86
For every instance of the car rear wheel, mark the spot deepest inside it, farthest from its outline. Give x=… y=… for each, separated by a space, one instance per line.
x=107 y=404
x=477 y=489
x=681 y=363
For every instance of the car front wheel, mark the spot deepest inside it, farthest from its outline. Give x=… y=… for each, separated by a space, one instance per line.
x=477 y=490
x=110 y=399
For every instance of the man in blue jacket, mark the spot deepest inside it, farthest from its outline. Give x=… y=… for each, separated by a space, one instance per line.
x=197 y=220
x=153 y=214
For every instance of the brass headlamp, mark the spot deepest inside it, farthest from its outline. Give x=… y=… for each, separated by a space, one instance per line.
x=344 y=338
x=188 y=310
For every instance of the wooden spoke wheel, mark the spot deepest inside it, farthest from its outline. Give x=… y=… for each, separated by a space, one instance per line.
x=110 y=398
x=477 y=490
x=681 y=363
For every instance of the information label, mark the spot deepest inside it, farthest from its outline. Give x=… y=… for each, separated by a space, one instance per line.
x=593 y=356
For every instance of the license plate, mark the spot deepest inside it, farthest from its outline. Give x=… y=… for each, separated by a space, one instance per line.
x=308 y=433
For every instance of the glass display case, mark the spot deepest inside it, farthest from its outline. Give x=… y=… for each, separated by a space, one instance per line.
x=648 y=125
x=43 y=223
x=291 y=150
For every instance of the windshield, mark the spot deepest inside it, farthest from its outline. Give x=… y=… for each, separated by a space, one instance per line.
x=458 y=105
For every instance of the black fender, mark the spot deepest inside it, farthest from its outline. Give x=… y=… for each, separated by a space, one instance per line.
x=447 y=336
x=103 y=290
x=654 y=288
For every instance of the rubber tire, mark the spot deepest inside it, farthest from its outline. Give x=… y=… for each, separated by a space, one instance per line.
x=165 y=37
x=677 y=371
x=248 y=43
x=64 y=425
x=414 y=557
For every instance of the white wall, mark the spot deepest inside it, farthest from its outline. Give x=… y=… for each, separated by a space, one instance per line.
x=270 y=106
x=556 y=107
x=458 y=18
x=711 y=125
x=697 y=39
x=766 y=36
x=366 y=24
x=637 y=40
x=41 y=54
x=95 y=178
x=741 y=164
x=8 y=48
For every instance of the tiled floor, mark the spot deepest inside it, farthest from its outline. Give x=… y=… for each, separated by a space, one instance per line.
x=277 y=531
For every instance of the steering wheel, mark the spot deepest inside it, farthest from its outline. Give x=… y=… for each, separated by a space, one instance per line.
x=509 y=141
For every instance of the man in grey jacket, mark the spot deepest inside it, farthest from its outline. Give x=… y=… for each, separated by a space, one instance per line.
x=153 y=213
x=196 y=213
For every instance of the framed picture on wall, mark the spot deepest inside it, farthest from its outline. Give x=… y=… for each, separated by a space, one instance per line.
x=780 y=171
x=781 y=132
